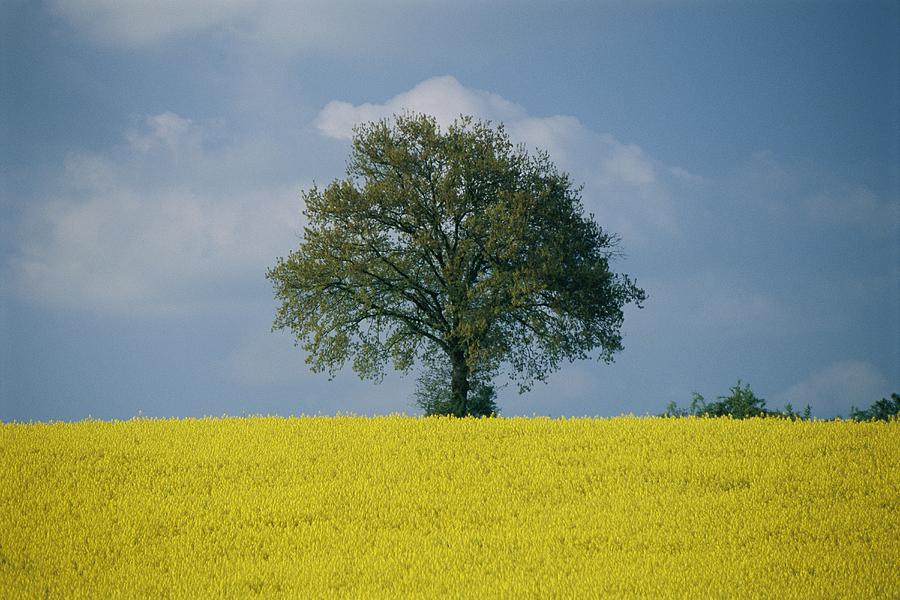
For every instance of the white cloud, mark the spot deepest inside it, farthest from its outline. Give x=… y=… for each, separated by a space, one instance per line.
x=155 y=226
x=564 y=137
x=629 y=192
x=629 y=165
x=166 y=129
x=635 y=194
x=444 y=98
x=831 y=391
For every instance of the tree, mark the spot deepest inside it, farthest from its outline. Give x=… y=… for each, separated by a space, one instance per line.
x=450 y=243
x=434 y=396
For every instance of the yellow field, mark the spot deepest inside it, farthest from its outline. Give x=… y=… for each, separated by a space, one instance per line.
x=398 y=506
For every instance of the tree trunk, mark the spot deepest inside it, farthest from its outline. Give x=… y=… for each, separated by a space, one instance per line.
x=459 y=383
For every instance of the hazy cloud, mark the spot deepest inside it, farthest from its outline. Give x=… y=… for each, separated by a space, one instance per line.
x=263 y=360
x=808 y=198
x=831 y=391
x=856 y=208
x=714 y=302
x=136 y=22
x=267 y=359
x=736 y=308
x=332 y=26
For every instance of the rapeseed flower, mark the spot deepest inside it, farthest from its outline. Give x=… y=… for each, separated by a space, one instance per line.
x=397 y=506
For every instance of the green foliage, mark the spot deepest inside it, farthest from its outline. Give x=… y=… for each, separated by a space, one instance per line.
x=789 y=412
x=742 y=403
x=673 y=410
x=882 y=410
x=454 y=243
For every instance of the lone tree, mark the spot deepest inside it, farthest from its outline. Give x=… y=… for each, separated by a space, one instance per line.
x=450 y=243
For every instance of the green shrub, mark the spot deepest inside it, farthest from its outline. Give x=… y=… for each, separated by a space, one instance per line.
x=742 y=403
x=882 y=410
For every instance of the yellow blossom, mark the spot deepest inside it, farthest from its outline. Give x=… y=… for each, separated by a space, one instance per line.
x=403 y=506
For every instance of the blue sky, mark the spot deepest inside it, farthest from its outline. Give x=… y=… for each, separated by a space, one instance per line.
x=153 y=156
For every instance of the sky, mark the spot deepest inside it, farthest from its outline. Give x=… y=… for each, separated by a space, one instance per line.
x=153 y=154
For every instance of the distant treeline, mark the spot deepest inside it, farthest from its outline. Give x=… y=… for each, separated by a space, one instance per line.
x=742 y=403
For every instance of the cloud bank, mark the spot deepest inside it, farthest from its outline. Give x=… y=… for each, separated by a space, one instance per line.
x=156 y=226
x=181 y=209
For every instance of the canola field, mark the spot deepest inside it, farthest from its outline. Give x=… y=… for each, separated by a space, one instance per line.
x=402 y=506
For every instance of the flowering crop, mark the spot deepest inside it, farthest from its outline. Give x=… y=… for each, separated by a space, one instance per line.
x=396 y=506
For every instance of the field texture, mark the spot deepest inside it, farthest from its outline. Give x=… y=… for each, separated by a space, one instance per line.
x=398 y=506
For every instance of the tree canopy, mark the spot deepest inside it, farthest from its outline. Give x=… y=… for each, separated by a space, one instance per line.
x=452 y=243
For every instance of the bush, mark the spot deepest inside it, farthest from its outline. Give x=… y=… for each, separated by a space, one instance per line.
x=882 y=410
x=742 y=403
